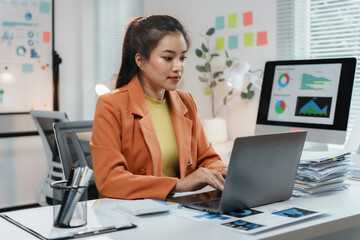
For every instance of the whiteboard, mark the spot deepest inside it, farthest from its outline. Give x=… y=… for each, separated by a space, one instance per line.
x=26 y=74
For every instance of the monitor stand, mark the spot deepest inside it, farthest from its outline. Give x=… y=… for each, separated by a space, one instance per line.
x=315 y=147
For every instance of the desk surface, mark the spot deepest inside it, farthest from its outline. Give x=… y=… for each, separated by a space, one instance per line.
x=342 y=208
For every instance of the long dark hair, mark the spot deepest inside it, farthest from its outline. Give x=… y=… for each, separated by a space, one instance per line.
x=142 y=36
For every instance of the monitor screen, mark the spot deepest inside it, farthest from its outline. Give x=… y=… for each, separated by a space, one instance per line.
x=312 y=95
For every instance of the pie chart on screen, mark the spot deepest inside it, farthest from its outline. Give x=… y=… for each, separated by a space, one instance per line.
x=280 y=107
x=284 y=80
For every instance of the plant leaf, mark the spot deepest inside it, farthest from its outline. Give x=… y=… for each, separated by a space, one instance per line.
x=221 y=79
x=225 y=100
x=229 y=63
x=250 y=95
x=198 y=53
x=203 y=79
x=200 y=68
x=213 y=84
x=217 y=74
x=210 y=31
x=204 y=48
x=230 y=92
x=207 y=67
x=243 y=95
x=226 y=54
x=214 y=55
x=207 y=91
x=249 y=86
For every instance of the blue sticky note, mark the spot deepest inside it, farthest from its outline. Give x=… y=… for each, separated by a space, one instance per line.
x=27 y=68
x=44 y=7
x=220 y=22
x=233 y=42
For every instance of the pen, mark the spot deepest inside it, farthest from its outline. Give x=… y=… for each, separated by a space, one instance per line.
x=95 y=231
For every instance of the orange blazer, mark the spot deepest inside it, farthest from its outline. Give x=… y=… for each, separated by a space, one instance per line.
x=125 y=150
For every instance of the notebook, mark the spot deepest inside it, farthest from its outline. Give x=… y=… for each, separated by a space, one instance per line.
x=262 y=170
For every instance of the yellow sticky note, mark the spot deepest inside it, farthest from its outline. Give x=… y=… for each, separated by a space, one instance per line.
x=248 y=39
x=232 y=20
x=220 y=43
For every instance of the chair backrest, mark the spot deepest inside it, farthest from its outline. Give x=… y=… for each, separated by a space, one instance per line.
x=44 y=124
x=72 y=139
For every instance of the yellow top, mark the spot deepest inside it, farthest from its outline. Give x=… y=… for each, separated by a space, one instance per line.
x=160 y=114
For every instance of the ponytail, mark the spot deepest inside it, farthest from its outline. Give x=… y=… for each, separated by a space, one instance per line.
x=128 y=65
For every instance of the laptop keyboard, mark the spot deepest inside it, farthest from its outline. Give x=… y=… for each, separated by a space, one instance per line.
x=213 y=203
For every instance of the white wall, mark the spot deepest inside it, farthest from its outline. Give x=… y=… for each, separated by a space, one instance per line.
x=199 y=16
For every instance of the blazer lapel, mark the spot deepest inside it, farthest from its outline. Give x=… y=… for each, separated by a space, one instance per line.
x=182 y=129
x=140 y=108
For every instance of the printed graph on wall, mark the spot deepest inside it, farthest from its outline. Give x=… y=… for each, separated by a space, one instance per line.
x=26 y=78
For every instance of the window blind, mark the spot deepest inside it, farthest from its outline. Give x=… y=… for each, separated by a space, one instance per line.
x=112 y=17
x=322 y=29
x=335 y=32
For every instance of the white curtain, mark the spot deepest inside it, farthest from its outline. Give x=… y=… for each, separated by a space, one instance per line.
x=112 y=17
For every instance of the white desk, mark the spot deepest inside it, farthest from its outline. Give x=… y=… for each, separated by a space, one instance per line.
x=342 y=222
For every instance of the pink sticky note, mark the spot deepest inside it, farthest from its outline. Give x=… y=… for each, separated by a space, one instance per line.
x=261 y=38
x=248 y=18
x=46 y=37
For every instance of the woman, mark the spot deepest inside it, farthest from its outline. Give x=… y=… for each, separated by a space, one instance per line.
x=147 y=138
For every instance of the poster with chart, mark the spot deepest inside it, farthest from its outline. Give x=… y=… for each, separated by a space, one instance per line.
x=26 y=81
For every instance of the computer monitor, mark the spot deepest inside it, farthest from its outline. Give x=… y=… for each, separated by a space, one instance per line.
x=312 y=95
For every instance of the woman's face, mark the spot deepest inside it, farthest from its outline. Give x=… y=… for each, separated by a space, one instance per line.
x=165 y=66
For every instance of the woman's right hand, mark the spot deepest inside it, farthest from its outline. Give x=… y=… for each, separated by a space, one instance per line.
x=199 y=179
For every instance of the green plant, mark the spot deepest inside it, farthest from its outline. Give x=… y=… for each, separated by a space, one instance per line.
x=212 y=77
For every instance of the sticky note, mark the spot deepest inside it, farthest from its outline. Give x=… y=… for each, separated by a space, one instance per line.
x=220 y=43
x=27 y=68
x=232 y=18
x=219 y=22
x=44 y=7
x=233 y=42
x=247 y=18
x=248 y=39
x=46 y=37
x=261 y=38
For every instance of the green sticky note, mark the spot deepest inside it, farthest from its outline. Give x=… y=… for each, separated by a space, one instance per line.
x=44 y=7
x=248 y=39
x=233 y=42
x=27 y=68
x=220 y=43
x=232 y=20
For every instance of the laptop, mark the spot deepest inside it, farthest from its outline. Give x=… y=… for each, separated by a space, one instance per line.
x=262 y=170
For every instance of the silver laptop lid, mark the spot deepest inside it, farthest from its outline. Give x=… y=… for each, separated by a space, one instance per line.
x=262 y=170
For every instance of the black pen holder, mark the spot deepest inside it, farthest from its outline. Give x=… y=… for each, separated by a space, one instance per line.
x=69 y=205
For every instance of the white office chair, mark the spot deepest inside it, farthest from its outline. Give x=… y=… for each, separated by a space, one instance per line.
x=44 y=123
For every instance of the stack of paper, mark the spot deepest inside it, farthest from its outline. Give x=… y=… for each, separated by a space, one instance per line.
x=321 y=172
